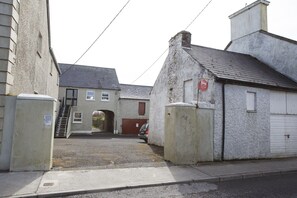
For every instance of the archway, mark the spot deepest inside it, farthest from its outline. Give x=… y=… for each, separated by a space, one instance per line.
x=103 y=121
x=98 y=120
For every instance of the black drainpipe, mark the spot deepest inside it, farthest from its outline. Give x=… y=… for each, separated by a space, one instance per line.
x=223 y=124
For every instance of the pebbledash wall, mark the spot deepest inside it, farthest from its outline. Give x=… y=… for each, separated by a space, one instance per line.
x=247 y=134
x=27 y=64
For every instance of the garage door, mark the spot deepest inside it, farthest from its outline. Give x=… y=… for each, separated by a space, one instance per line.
x=132 y=126
x=283 y=137
x=283 y=123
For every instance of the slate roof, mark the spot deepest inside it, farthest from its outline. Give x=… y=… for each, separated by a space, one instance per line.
x=135 y=91
x=239 y=67
x=81 y=76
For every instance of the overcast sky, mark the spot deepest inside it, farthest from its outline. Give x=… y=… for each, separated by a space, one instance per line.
x=141 y=32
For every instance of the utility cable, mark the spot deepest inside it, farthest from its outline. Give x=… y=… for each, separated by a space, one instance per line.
x=96 y=38
x=167 y=47
x=198 y=14
x=151 y=65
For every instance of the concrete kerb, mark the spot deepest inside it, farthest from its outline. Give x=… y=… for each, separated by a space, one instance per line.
x=80 y=192
x=213 y=179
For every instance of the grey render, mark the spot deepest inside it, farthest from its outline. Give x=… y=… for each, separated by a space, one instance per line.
x=27 y=63
x=249 y=35
x=89 y=78
x=130 y=96
x=260 y=62
x=273 y=50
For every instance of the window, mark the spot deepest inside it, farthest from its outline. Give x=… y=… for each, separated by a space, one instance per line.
x=188 y=91
x=90 y=95
x=251 y=101
x=77 y=117
x=141 y=108
x=104 y=96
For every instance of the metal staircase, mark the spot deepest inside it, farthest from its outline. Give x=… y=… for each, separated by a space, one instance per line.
x=62 y=121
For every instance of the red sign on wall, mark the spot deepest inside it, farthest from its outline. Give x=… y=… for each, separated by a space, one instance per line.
x=203 y=85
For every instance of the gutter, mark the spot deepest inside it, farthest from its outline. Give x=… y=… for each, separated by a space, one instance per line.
x=224 y=121
x=55 y=60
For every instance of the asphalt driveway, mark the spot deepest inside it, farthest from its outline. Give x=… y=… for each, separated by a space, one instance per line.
x=105 y=151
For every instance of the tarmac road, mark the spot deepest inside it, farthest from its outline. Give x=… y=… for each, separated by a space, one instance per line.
x=278 y=186
x=105 y=151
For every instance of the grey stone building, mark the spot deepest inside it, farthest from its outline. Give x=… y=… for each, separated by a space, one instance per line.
x=27 y=63
x=134 y=105
x=252 y=104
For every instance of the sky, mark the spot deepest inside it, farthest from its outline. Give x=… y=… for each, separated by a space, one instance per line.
x=140 y=34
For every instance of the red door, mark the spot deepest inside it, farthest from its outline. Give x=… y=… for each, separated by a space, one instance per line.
x=132 y=126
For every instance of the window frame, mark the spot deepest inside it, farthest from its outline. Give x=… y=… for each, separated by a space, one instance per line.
x=108 y=95
x=74 y=118
x=90 y=99
x=188 y=91
x=140 y=111
x=254 y=109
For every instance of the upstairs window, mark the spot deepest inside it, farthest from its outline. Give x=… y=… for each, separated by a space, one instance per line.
x=141 y=108
x=90 y=95
x=104 y=96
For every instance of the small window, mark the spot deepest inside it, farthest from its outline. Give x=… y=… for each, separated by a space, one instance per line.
x=77 y=117
x=90 y=95
x=188 y=91
x=141 y=108
x=104 y=96
x=251 y=101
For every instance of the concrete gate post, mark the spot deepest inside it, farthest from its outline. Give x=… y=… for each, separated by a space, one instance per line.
x=32 y=146
x=188 y=134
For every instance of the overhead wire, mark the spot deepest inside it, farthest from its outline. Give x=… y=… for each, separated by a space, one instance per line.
x=167 y=47
x=96 y=38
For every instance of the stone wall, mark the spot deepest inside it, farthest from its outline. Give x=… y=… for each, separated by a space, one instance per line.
x=179 y=67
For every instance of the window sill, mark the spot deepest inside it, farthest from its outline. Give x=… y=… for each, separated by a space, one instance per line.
x=251 y=111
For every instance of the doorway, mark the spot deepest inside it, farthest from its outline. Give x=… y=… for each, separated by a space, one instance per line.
x=71 y=97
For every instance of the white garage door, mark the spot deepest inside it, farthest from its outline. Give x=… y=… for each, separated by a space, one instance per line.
x=283 y=134
x=283 y=123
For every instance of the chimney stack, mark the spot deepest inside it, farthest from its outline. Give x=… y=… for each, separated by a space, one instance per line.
x=250 y=19
x=181 y=39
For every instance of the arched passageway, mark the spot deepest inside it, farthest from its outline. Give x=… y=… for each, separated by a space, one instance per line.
x=103 y=121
